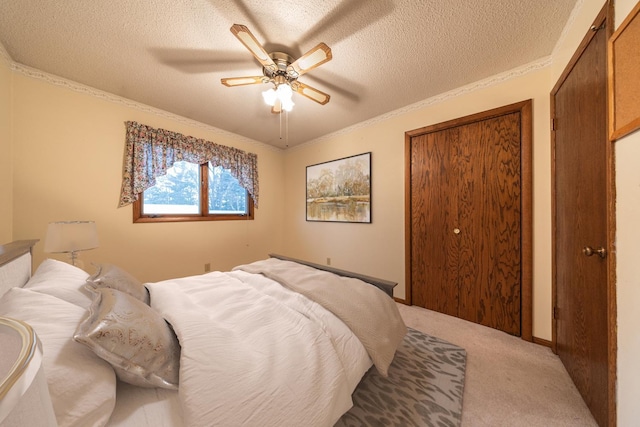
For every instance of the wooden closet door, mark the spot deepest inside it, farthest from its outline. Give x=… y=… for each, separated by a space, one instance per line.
x=434 y=253
x=465 y=234
x=488 y=171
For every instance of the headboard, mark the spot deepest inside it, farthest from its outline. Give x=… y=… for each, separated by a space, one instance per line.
x=15 y=264
x=385 y=285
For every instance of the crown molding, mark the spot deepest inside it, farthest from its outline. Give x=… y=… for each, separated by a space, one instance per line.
x=438 y=99
x=109 y=97
x=4 y=56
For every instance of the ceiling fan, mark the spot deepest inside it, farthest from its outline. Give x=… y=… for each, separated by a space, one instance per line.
x=282 y=71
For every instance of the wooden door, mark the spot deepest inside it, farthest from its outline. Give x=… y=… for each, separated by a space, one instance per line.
x=434 y=253
x=583 y=320
x=465 y=191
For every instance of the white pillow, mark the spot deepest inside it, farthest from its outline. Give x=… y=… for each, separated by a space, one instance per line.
x=82 y=386
x=61 y=280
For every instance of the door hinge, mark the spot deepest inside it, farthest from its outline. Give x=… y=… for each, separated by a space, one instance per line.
x=556 y=313
x=553 y=124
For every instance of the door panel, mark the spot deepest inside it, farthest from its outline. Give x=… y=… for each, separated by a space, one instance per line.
x=490 y=207
x=434 y=256
x=580 y=221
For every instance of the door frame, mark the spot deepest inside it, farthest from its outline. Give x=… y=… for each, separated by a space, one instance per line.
x=526 y=202
x=606 y=13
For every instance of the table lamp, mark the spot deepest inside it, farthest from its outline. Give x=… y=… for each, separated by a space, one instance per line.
x=71 y=237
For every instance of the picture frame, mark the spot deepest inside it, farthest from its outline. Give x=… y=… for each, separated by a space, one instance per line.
x=624 y=85
x=340 y=190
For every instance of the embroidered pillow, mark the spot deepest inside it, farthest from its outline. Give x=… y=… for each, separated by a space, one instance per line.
x=110 y=276
x=133 y=338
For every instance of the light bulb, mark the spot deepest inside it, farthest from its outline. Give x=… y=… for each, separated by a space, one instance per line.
x=287 y=104
x=284 y=91
x=270 y=96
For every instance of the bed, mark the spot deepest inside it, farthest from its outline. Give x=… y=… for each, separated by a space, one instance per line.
x=274 y=342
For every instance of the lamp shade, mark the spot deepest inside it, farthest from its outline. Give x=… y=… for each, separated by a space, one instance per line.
x=71 y=236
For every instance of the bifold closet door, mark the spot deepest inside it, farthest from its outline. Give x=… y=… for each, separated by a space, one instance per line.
x=465 y=220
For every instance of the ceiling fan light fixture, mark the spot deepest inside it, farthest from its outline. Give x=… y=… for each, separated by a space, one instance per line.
x=282 y=93
x=270 y=97
x=287 y=104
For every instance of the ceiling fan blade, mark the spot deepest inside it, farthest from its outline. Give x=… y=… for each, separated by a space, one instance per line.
x=310 y=60
x=243 y=81
x=311 y=93
x=246 y=38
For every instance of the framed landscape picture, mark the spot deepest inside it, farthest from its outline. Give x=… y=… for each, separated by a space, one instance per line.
x=340 y=190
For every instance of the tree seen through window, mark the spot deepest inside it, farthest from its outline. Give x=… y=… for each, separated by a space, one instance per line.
x=179 y=192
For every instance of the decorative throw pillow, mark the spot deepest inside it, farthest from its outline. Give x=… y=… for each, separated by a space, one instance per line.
x=82 y=385
x=110 y=276
x=133 y=338
x=61 y=280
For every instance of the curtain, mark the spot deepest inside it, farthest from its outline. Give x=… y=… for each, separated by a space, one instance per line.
x=150 y=152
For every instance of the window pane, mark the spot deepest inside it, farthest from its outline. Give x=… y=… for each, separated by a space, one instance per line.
x=178 y=192
x=226 y=195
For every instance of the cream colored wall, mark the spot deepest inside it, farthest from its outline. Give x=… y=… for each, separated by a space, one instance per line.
x=627 y=152
x=628 y=277
x=378 y=248
x=68 y=163
x=6 y=167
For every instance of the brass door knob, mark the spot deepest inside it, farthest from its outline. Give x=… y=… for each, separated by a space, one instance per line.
x=589 y=251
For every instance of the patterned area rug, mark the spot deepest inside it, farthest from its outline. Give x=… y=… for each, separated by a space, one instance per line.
x=424 y=387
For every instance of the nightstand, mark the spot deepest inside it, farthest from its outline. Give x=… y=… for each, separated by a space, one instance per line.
x=24 y=394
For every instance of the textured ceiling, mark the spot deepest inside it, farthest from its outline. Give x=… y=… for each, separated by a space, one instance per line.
x=387 y=54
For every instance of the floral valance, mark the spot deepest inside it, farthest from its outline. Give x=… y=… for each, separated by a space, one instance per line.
x=150 y=152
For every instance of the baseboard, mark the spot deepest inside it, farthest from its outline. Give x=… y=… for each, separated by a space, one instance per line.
x=399 y=300
x=543 y=342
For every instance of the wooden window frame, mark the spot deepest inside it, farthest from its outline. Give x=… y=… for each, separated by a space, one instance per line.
x=204 y=215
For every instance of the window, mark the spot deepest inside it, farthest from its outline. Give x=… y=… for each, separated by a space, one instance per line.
x=181 y=195
x=150 y=154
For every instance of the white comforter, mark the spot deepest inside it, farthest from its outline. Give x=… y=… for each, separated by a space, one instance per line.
x=257 y=354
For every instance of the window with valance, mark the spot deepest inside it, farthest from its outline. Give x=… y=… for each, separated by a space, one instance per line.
x=150 y=153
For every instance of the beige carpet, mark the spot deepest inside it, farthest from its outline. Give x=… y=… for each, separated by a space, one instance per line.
x=509 y=382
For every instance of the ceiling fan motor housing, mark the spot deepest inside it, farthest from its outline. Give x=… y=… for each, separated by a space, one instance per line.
x=280 y=75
